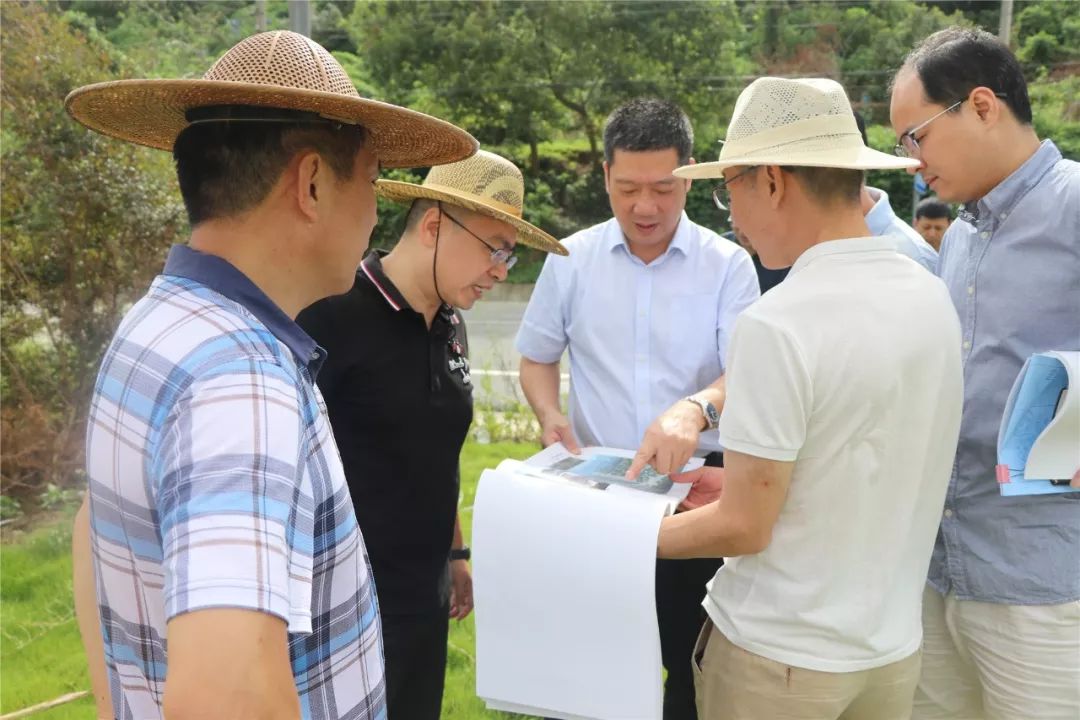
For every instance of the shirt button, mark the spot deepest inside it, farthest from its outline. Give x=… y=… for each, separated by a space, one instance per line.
x=1003 y=215
x=314 y=354
x=948 y=513
x=984 y=234
x=971 y=289
x=967 y=344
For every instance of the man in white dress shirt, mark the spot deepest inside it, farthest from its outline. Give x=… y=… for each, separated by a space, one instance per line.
x=645 y=303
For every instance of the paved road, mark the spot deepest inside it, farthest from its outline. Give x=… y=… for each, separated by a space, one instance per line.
x=492 y=326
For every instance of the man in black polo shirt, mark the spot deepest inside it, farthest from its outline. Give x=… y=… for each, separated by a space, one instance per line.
x=397 y=387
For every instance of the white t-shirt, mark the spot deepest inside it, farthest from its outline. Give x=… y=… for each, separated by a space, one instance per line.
x=851 y=369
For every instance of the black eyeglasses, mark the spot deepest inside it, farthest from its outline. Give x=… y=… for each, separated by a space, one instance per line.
x=503 y=255
x=721 y=195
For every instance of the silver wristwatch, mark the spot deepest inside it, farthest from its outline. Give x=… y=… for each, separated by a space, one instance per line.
x=712 y=417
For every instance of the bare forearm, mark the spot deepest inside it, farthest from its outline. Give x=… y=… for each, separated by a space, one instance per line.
x=86 y=611
x=709 y=531
x=459 y=540
x=715 y=393
x=540 y=382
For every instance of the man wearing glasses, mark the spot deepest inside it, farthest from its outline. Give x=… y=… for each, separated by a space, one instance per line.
x=399 y=396
x=1001 y=614
x=839 y=427
x=645 y=304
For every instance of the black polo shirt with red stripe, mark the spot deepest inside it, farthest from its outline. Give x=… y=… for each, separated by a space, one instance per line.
x=399 y=396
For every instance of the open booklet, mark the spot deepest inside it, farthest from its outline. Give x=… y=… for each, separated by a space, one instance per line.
x=564 y=563
x=602 y=468
x=1039 y=440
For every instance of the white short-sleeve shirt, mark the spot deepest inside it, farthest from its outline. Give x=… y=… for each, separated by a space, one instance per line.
x=851 y=370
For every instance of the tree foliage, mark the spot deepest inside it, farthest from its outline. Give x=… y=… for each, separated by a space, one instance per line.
x=86 y=220
x=85 y=223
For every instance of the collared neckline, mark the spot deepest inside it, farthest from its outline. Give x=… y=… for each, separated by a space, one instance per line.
x=372 y=269
x=679 y=241
x=1001 y=200
x=224 y=278
x=881 y=214
x=841 y=247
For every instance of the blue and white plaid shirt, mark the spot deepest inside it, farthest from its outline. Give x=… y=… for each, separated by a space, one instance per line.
x=215 y=482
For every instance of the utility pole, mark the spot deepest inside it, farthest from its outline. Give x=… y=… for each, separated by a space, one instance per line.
x=300 y=17
x=1005 y=27
x=260 y=15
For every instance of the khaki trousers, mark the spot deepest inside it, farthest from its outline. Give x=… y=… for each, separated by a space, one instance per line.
x=733 y=684
x=985 y=661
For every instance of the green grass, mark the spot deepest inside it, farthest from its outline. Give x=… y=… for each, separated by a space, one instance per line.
x=41 y=656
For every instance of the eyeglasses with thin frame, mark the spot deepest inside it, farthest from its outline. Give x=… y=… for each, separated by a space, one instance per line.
x=908 y=147
x=721 y=195
x=503 y=255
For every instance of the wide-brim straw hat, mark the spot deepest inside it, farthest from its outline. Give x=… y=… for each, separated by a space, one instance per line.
x=805 y=123
x=485 y=183
x=282 y=70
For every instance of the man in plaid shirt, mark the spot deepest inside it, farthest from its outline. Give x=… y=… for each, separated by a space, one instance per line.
x=232 y=580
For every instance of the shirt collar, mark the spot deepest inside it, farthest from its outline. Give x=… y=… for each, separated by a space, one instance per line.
x=372 y=269
x=1003 y=198
x=881 y=215
x=680 y=241
x=841 y=247
x=222 y=277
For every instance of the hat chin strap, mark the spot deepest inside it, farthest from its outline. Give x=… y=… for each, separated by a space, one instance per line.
x=435 y=258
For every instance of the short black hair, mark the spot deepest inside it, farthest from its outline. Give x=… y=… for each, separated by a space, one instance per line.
x=932 y=208
x=954 y=61
x=862 y=128
x=648 y=124
x=230 y=157
x=829 y=186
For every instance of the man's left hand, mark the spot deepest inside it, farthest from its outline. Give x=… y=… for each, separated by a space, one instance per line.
x=708 y=483
x=461 y=597
x=670 y=441
x=1075 y=482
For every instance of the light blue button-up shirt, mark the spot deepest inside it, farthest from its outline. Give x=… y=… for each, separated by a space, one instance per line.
x=1012 y=266
x=640 y=336
x=883 y=221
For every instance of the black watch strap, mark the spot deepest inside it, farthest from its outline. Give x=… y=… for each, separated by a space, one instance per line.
x=462 y=553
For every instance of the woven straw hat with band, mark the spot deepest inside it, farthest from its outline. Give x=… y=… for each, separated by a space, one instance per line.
x=484 y=183
x=807 y=123
x=283 y=70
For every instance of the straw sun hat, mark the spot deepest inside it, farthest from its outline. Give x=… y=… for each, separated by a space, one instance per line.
x=806 y=123
x=484 y=183
x=282 y=70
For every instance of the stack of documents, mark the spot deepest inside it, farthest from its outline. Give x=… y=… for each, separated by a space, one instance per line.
x=1039 y=440
x=564 y=570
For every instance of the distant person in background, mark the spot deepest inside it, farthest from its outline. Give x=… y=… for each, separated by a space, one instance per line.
x=881 y=219
x=645 y=304
x=767 y=277
x=932 y=218
x=399 y=395
x=1001 y=613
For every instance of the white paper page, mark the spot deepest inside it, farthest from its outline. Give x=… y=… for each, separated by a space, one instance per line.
x=1055 y=454
x=565 y=600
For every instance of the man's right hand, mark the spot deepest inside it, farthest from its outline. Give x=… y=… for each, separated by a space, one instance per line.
x=555 y=427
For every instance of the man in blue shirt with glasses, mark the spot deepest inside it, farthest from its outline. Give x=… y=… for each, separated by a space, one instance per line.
x=1001 y=614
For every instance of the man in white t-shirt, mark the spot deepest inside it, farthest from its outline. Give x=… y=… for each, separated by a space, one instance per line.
x=841 y=420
